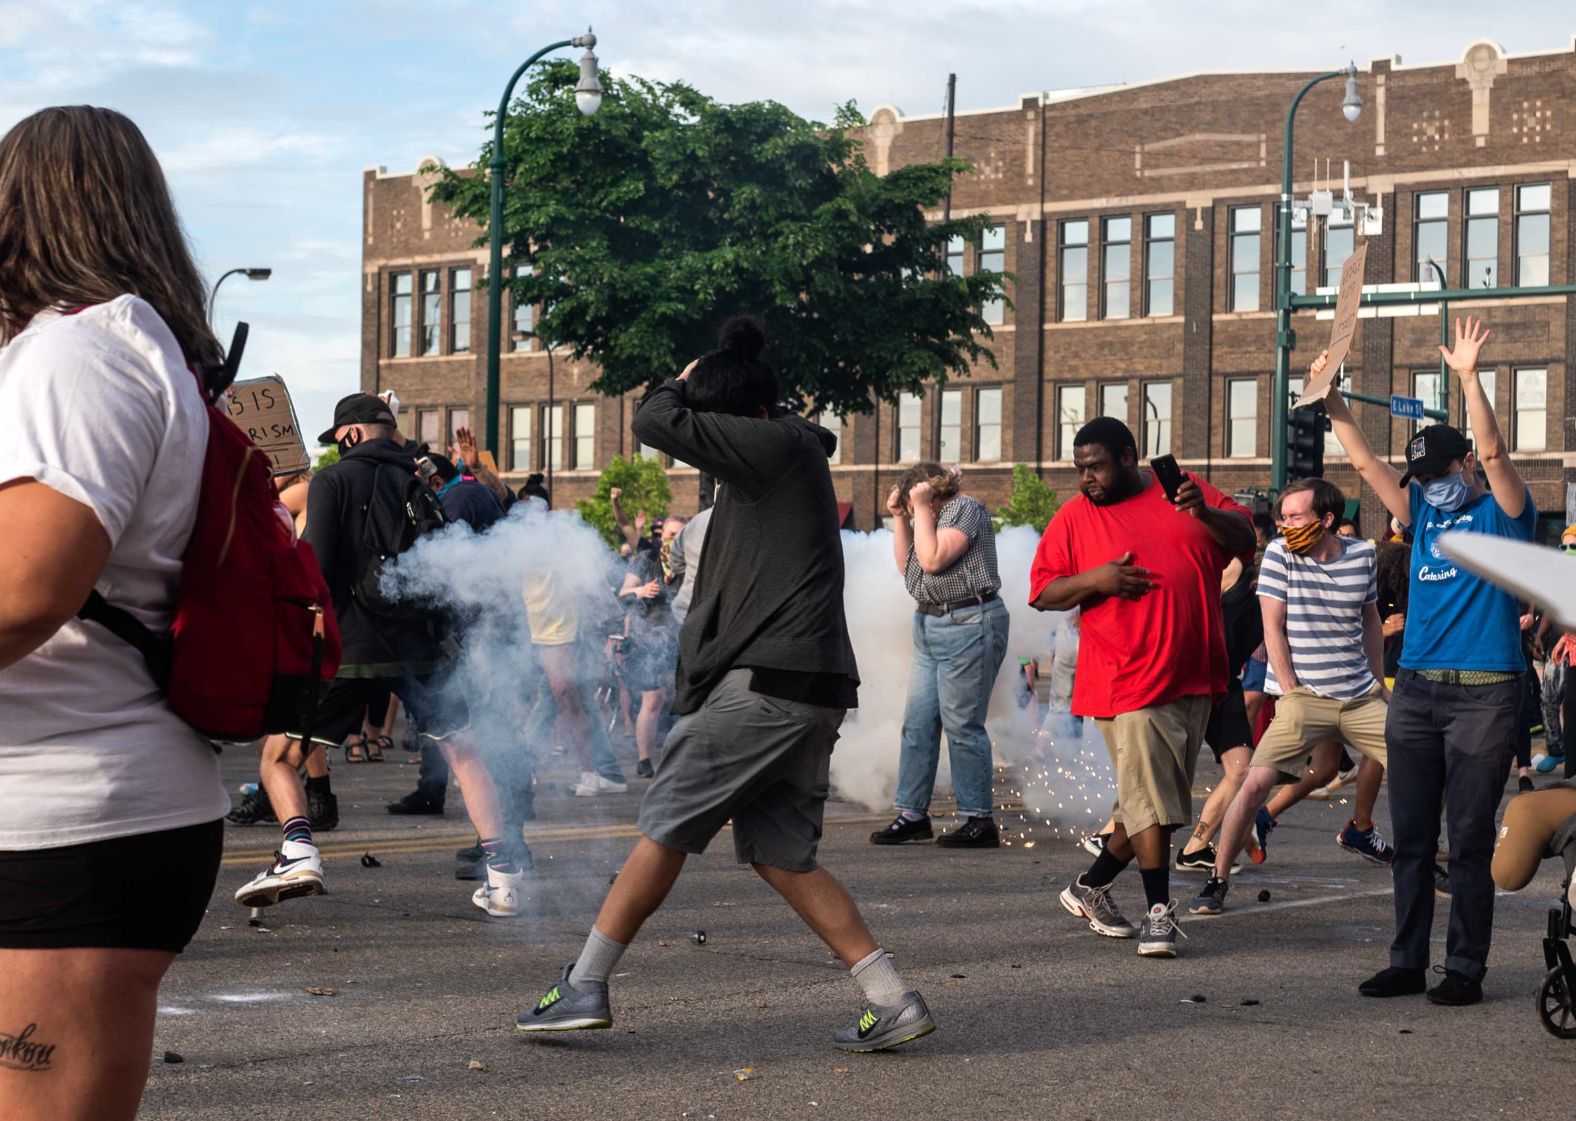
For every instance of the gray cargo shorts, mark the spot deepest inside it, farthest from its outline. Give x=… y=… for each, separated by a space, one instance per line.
x=761 y=761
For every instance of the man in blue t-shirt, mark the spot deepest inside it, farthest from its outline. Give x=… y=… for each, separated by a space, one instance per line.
x=1451 y=731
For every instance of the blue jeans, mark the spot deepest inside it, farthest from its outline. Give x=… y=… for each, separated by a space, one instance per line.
x=956 y=658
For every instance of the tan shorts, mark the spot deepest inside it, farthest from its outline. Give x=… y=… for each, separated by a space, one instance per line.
x=1154 y=751
x=1304 y=720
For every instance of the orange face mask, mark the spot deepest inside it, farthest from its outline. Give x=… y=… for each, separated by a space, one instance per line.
x=1301 y=539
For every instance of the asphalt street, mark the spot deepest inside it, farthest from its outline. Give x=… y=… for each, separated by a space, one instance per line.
x=417 y=989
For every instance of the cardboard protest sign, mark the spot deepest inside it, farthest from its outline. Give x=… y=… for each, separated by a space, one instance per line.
x=1343 y=328
x=261 y=408
x=487 y=460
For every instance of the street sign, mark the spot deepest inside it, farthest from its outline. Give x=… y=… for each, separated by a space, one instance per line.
x=1406 y=408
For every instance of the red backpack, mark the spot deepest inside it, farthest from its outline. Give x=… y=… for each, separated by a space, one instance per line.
x=254 y=638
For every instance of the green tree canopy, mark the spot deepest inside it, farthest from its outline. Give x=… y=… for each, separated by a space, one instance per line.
x=1031 y=502
x=645 y=490
x=649 y=224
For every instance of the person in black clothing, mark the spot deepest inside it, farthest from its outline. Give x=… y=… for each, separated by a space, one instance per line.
x=463 y=500
x=400 y=649
x=766 y=675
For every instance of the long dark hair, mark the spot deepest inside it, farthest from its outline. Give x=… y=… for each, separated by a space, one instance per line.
x=86 y=216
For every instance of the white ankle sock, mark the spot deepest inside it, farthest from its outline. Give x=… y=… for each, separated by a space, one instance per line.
x=877 y=977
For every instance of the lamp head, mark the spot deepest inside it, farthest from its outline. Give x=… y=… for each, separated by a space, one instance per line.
x=1352 y=107
x=257 y=274
x=588 y=91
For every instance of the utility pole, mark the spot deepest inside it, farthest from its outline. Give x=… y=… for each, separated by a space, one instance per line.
x=952 y=95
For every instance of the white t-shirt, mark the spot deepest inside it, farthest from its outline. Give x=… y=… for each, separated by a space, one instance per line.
x=101 y=407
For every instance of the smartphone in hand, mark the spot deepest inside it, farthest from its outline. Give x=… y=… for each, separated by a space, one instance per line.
x=1170 y=475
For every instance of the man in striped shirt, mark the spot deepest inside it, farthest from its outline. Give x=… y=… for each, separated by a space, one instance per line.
x=1319 y=595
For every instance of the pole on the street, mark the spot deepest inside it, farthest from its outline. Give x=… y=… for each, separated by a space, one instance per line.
x=1284 y=338
x=588 y=97
x=1444 y=340
x=250 y=274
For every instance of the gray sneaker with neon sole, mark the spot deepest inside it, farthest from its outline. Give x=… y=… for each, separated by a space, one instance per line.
x=567 y=1007
x=882 y=1028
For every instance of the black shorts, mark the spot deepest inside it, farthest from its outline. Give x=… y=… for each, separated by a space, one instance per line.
x=1228 y=722
x=144 y=892
x=435 y=709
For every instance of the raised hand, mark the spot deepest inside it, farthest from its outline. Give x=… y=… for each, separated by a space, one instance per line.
x=465 y=444
x=1463 y=356
x=894 y=504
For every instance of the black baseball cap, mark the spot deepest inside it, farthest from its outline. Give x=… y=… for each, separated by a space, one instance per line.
x=358 y=408
x=1433 y=450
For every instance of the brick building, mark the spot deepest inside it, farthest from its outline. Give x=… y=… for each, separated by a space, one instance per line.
x=1138 y=222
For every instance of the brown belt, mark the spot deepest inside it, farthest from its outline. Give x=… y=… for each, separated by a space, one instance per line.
x=948 y=608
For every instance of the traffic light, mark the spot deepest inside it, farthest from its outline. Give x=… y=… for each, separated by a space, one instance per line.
x=1305 y=429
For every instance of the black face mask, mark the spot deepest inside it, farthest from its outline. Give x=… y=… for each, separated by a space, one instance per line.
x=349 y=440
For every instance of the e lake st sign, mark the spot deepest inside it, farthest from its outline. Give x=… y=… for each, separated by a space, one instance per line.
x=261 y=408
x=1406 y=408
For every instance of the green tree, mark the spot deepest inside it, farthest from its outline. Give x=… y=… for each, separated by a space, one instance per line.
x=1031 y=503
x=645 y=490
x=649 y=224
x=327 y=457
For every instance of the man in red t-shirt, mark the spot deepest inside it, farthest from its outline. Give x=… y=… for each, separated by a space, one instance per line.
x=1146 y=573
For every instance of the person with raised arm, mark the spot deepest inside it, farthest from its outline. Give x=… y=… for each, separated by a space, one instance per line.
x=1451 y=729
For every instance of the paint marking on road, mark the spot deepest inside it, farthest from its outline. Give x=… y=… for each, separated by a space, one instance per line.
x=1290 y=904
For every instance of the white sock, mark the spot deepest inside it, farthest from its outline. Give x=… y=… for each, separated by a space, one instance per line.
x=877 y=977
x=597 y=960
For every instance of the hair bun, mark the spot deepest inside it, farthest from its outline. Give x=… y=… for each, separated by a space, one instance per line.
x=535 y=478
x=743 y=337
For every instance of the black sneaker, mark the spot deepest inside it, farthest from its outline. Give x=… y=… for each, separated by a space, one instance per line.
x=1441 y=880
x=975 y=833
x=252 y=809
x=415 y=803
x=1201 y=861
x=471 y=863
x=322 y=810
x=643 y=769
x=902 y=830
x=1525 y=785
x=1456 y=990
x=472 y=855
x=1394 y=981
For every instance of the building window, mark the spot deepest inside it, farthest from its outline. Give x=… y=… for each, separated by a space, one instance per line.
x=460 y=311
x=520 y=438
x=1425 y=387
x=1116 y=266
x=951 y=426
x=524 y=318
x=1487 y=378
x=1340 y=239
x=1532 y=410
x=908 y=414
x=1157 y=418
x=1299 y=252
x=1482 y=236
x=429 y=428
x=553 y=429
x=993 y=258
x=1071 y=415
x=1242 y=418
x=1532 y=235
x=987 y=425
x=1430 y=233
x=431 y=311
x=585 y=437
x=458 y=419
x=399 y=296
x=1113 y=400
x=955 y=245
x=1073 y=270
x=1160 y=260
x=1245 y=223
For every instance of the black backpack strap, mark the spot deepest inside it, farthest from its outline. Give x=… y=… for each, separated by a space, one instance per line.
x=125 y=626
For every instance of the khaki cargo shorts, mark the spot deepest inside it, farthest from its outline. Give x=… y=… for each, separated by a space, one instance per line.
x=1154 y=751
x=1304 y=720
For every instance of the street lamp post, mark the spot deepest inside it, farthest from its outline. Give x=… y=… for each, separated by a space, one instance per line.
x=588 y=97
x=1284 y=339
x=250 y=274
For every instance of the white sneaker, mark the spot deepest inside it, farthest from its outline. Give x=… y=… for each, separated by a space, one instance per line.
x=1340 y=782
x=591 y=784
x=297 y=871
x=503 y=895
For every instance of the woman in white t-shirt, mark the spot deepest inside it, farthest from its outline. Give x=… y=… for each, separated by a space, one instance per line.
x=110 y=805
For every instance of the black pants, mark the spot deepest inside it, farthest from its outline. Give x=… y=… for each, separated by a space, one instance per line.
x=433 y=780
x=1450 y=747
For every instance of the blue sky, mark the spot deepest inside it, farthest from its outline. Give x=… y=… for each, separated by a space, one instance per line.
x=265 y=116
